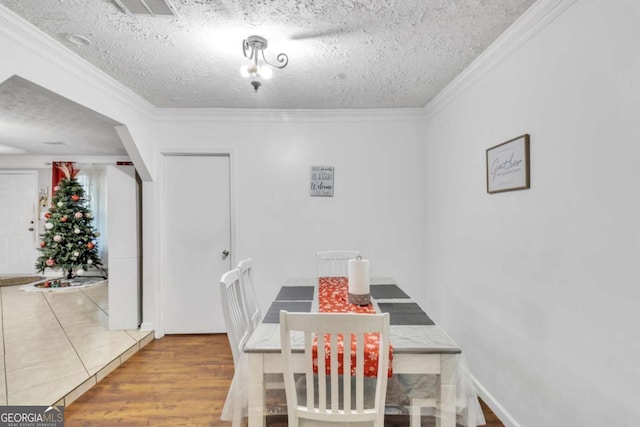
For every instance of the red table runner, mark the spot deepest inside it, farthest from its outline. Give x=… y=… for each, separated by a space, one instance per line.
x=333 y=294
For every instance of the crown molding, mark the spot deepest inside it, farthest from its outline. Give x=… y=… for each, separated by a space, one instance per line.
x=29 y=37
x=284 y=115
x=29 y=161
x=536 y=18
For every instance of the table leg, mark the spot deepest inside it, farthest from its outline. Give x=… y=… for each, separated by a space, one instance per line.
x=446 y=417
x=256 y=390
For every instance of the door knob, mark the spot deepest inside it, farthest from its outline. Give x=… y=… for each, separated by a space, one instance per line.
x=225 y=254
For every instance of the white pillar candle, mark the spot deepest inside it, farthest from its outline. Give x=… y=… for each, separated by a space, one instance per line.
x=359 y=276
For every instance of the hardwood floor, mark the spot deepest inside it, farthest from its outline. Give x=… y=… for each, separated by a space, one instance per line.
x=180 y=380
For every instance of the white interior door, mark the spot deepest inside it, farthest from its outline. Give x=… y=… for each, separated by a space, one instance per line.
x=18 y=222
x=197 y=233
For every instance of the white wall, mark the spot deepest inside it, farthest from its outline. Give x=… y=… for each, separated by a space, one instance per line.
x=377 y=205
x=124 y=256
x=541 y=287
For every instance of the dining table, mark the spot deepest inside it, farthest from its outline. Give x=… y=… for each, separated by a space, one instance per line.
x=420 y=347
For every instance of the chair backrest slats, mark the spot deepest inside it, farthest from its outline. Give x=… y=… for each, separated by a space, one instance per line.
x=249 y=293
x=359 y=373
x=308 y=342
x=347 y=374
x=334 y=263
x=332 y=403
x=322 y=379
x=233 y=309
x=334 y=372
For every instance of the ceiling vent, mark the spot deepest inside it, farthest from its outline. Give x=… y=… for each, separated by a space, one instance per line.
x=146 y=7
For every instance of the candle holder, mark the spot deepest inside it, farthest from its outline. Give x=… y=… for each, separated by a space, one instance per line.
x=360 y=299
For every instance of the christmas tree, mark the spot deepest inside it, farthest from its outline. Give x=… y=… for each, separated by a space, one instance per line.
x=68 y=239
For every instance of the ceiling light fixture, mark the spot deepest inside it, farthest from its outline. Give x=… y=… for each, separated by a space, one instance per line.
x=252 y=47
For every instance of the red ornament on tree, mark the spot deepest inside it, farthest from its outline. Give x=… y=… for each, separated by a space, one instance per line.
x=47 y=215
x=63 y=219
x=75 y=197
x=90 y=245
x=43 y=244
x=50 y=262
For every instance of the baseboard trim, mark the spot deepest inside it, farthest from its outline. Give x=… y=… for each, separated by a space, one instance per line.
x=500 y=411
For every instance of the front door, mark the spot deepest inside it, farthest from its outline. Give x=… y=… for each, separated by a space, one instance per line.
x=18 y=221
x=197 y=241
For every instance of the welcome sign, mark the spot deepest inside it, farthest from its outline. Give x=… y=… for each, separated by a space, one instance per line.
x=321 y=181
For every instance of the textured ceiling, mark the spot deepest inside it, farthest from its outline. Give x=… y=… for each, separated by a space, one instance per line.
x=342 y=53
x=32 y=118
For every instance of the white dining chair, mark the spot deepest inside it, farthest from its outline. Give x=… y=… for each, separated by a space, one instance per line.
x=249 y=293
x=334 y=263
x=245 y=267
x=345 y=399
x=234 y=311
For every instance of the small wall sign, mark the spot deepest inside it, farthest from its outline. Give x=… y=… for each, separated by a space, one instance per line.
x=508 y=165
x=322 y=181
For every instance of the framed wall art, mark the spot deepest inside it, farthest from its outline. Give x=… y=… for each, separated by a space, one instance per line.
x=322 y=181
x=508 y=166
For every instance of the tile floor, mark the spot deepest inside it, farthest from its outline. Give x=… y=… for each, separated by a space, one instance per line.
x=57 y=345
